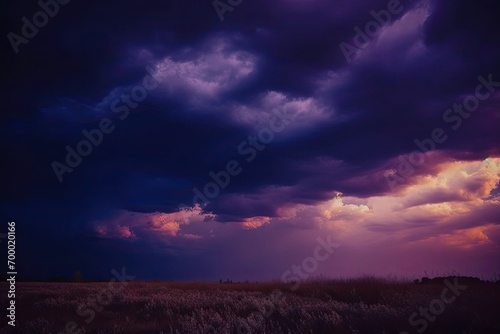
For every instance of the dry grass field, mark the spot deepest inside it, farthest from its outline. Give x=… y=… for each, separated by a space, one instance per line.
x=364 y=305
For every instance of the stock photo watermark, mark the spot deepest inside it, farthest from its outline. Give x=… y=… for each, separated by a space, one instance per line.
x=30 y=28
x=94 y=137
x=295 y=275
x=221 y=6
x=11 y=273
x=437 y=306
x=371 y=29
x=97 y=302
x=454 y=117
x=249 y=149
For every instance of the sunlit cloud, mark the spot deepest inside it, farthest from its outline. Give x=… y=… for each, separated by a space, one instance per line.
x=255 y=222
x=302 y=113
x=437 y=204
x=157 y=224
x=403 y=38
x=465 y=239
x=202 y=77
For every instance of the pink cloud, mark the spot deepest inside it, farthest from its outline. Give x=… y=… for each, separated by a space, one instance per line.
x=255 y=222
x=114 y=231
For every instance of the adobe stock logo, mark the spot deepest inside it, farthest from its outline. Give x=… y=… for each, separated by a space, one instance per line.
x=96 y=303
x=29 y=30
x=128 y=100
x=371 y=30
x=309 y=265
x=455 y=116
x=297 y=273
x=249 y=149
x=436 y=307
x=221 y=7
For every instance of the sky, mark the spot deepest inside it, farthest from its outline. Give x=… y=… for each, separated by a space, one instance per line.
x=199 y=140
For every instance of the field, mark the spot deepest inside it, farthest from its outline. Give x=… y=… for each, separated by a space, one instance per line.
x=364 y=305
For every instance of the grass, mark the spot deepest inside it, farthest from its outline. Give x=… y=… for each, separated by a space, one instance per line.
x=364 y=305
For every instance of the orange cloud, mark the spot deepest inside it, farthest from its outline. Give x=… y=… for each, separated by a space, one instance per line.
x=255 y=222
x=465 y=239
x=453 y=205
x=169 y=224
